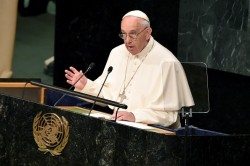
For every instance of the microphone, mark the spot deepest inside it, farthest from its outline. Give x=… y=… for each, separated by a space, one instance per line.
x=88 y=69
x=109 y=71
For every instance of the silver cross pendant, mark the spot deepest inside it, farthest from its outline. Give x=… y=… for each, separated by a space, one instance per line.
x=122 y=96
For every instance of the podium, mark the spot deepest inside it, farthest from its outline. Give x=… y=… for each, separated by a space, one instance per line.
x=90 y=140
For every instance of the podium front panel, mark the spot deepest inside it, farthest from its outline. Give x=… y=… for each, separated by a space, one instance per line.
x=86 y=140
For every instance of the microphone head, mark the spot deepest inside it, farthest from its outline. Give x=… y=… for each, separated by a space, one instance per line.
x=89 y=68
x=110 y=69
x=92 y=65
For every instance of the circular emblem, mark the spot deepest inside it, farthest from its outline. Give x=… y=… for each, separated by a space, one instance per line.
x=50 y=132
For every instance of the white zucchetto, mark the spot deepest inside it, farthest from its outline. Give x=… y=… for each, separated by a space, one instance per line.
x=137 y=13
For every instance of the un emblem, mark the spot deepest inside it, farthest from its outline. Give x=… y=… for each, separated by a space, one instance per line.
x=50 y=132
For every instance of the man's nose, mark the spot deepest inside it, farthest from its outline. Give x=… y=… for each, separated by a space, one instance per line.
x=127 y=39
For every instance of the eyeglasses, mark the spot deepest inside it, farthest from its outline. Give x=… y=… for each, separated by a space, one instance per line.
x=130 y=35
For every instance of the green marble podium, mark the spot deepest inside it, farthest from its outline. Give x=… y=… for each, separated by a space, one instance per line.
x=87 y=140
x=91 y=140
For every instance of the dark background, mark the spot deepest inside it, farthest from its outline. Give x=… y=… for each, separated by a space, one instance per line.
x=87 y=33
x=213 y=32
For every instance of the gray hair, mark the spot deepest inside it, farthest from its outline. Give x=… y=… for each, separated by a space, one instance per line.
x=144 y=23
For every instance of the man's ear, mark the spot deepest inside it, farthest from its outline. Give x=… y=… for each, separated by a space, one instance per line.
x=149 y=32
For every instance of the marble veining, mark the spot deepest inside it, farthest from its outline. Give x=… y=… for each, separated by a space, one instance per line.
x=214 y=32
x=95 y=141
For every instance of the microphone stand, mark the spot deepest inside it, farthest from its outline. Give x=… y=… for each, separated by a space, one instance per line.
x=109 y=71
x=116 y=114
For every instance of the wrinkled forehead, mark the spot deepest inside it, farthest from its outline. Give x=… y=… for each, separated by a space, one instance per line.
x=131 y=23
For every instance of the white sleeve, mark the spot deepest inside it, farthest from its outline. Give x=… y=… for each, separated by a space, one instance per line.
x=170 y=93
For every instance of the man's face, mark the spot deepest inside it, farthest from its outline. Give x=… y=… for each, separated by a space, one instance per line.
x=135 y=35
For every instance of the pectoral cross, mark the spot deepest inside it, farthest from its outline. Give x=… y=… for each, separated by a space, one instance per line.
x=122 y=96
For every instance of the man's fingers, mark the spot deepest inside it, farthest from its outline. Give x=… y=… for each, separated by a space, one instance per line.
x=69 y=73
x=67 y=76
x=127 y=116
x=69 y=82
x=73 y=70
x=120 y=118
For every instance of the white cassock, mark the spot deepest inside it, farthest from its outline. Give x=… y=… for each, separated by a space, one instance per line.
x=154 y=83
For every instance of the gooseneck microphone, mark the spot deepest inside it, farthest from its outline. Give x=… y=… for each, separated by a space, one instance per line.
x=109 y=71
x=91 y=66
x=88 y=69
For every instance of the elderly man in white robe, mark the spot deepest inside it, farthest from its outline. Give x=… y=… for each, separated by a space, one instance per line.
x=146 y=77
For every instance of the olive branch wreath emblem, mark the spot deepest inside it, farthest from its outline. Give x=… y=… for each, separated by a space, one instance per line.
x=51 y=133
